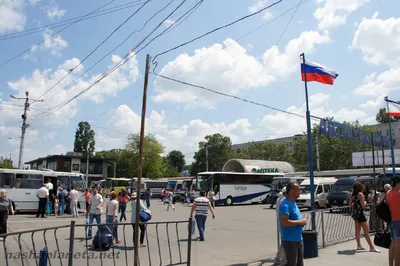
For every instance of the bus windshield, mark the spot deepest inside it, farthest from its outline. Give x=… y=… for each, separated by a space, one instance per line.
x=63 y=181
x=306 y=189
x=186 y=184
x=78 y=182
x=280 y=183
x=204 y=182
x=342 y=188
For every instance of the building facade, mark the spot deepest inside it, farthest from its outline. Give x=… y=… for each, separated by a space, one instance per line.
x=384 y=129
x=74 y=162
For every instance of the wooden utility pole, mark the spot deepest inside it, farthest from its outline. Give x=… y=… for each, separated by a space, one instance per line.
x=373 y=160
x=139 y=181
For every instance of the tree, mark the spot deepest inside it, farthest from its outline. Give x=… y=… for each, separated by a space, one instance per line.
x=169 y=170
x=219 y=152
x=6 y=163
x=382 y=118
x=118 y=155
x=84 y=139
x=176 y=159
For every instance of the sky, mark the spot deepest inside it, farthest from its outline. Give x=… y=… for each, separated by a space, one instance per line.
x=257 y=59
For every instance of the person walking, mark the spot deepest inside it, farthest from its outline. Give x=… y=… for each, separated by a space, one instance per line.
x=170 y=199
x=201 y=206
x=43 y=195
x=123 y=200
x=291 y=224
x=6 y=208
x=142 y=226
x=280 y=258
x=87 y=197
x=393 y=199
x=357 y=204
x=148 y=195
x=74 y=196
x=61 y=201
x=95 y=205
x=111 y=215
x=211 y=197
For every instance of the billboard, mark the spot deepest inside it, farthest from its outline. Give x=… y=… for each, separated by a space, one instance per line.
x=364 y=159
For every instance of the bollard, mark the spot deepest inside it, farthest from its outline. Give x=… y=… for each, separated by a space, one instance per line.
x=43 y=257
x=310 y=244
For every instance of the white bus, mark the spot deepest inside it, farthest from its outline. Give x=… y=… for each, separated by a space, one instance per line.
x=231 y=187
x=22 y=185
x=156 y=186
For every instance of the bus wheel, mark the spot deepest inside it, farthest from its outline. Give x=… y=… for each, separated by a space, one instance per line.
x=229 y=201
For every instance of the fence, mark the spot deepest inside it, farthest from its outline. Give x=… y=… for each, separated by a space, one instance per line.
x=168 y=243
x=336 y=226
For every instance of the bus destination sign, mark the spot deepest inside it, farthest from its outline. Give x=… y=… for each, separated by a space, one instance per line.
x=265 y=170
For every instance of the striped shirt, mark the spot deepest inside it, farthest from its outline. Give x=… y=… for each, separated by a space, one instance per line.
x=202 y=206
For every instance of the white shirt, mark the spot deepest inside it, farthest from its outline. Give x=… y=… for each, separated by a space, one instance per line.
x=111 y=206
x=49 y=186
x=95 y=201
x=42 y=192
x=74 y=195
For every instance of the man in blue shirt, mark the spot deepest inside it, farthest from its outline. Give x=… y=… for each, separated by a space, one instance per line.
x=292 y=224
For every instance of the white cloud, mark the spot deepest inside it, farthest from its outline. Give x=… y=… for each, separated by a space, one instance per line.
x=332 y=13
x=54 y=44
x=168 y=22
x=375 y=84
x=54 y=12
x=260 y=4
x=230 y=70
x=33 y=2
x=58 y=149
x=379 y=40
x=12 y=17
x=267 y=15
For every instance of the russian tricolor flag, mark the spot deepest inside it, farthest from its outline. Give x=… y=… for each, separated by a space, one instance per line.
x=311 y=71
x=393 y=108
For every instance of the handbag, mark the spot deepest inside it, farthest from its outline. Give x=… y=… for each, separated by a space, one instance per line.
x=382 y=239
x=144 y=217
x=383 y=211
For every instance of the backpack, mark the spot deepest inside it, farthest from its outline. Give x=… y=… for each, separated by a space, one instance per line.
x=103 y=239
x=383 y=211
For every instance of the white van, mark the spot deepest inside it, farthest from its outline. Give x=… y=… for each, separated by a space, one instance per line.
x=322 y=188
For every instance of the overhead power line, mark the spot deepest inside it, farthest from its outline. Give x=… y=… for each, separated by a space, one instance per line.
x=52 y=35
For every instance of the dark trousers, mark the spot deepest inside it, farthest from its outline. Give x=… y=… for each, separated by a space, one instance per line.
x=122 y=207
x=293 y=253
x=142 y=232
x=3 y=222
x=42 y=207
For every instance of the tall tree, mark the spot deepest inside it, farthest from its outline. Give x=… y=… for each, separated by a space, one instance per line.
x=84 y=139
x=382 y=118
x=118 y=155
x=176 y=159
x=6 y=163
x=219 y=151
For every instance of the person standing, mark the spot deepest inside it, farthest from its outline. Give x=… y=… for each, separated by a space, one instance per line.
x=87 y=197
x=43 y=195
x=170 y=197
x=280 y=258
x=49 y=205
x=357 y=204
x=291 y=224
x=148 y=195
x=393 y=199
x=142 y=226
x=61 y=201
x=95 y=205
x=211 y=197
x=123 y=200
x=201 y=205
x=74 y=196
x=68 y=200
x=6 y=208
x=111 y=215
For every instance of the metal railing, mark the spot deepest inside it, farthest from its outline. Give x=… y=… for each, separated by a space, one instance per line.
x=167 y=243
x=335 y=225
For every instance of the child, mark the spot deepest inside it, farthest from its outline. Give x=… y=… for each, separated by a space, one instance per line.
x=55 y=207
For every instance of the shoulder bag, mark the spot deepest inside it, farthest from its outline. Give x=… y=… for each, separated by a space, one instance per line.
x=383 y=211
x=144 y=217
x=382 y=239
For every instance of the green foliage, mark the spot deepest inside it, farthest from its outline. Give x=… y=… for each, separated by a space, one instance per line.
x=382 y=118
x=169 y=170
x=84 y=139
x=176 y=159
x=119 y=156
x=6 y=163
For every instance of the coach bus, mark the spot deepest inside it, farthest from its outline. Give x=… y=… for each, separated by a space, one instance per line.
x=22 y=185
x=231 y=187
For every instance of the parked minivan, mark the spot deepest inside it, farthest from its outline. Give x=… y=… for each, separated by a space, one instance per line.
x=322 y=188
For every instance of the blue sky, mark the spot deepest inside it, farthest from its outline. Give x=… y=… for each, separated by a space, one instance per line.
x=358 y=38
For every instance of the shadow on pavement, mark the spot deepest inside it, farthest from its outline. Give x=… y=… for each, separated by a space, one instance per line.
x=347 y=252
x=256 y=263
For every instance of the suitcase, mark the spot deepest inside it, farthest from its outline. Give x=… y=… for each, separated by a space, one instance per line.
x=103 y=239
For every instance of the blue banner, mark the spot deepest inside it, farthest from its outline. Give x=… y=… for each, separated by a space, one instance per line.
x=335 y=129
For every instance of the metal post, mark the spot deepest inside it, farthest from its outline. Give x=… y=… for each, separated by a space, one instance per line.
x=373 y=160
x=71 y=244
x=23 y=128
x=189 y=250
x=139 y=180
x=323 y=229
x=317 y=151
x=391 y=139
x=207 y=157
x=87 y=166
x=383 y=160
x=310 y=150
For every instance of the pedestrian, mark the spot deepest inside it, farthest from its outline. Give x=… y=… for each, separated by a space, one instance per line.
x=187 y=195
x=56 y=207
x=74 y=196
x=49 y=205
x=164 y=195
x=148 y=195
x=142 y=226
x=393 y=199
x=382 y=194
x=87 y=197
x=201 y=205
x=68 y=200
x=211 y=197
x=95 y=205
x=123 y=200
x=291 y=224
x=357 y=204
x=280 y=258
x=6 y=208
x=61 y=199
x=43 y=195
x=170 y=197
x=111 y=215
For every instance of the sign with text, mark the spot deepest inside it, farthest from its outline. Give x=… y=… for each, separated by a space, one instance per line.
x=265 y=170
x=335 y=129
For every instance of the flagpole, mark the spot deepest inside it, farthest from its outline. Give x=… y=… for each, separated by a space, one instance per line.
x=391 y=138
x=310 y=150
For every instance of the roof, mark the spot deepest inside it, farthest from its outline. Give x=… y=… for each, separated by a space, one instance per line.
x=249 y=166
x=68 y=155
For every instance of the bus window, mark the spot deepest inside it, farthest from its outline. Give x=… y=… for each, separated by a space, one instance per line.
x=6 y=180
x=77 y=182
x=63 y=181
x=35 y=182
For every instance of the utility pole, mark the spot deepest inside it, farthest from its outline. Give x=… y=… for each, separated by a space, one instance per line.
x=136 y=234
x=317 y=150
x=23 y=128
x=207 y=157
x=87 y=166
x=373 y=160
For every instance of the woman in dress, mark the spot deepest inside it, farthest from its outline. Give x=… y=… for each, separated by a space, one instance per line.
x=133 y=218
x=357 y=205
